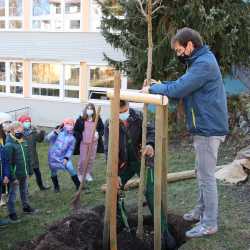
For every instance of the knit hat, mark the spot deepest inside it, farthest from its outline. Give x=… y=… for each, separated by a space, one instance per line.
x=24 y=118
x=68 y=121
x=4 y=117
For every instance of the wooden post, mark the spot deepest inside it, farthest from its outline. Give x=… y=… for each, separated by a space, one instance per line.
x=165 y=161
x=142 y=175
x=158 y=176
x=83 y=82
x=110 y=230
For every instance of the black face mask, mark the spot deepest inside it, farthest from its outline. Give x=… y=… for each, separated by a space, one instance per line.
x=183 y=58
x=18 y=135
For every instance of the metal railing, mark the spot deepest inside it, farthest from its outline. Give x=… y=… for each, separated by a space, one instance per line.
x=16 y=113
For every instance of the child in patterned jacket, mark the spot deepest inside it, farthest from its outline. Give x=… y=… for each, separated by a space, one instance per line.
x=62 y=144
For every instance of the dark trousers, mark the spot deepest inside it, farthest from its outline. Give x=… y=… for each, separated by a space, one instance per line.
x=134 y=168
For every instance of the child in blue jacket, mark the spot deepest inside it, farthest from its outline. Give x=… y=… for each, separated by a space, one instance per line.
x=62 y=144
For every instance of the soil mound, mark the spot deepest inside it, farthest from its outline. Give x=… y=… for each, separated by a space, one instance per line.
x=83 y=231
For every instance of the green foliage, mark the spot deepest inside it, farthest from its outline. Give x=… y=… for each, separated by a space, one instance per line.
x=224 y=25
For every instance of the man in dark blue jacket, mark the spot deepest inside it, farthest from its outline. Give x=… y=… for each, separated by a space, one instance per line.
x=202 y=90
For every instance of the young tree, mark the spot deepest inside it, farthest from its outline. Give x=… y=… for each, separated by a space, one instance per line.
x=224 y=25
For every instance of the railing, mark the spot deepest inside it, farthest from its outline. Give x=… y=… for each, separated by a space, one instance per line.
x=16 y=113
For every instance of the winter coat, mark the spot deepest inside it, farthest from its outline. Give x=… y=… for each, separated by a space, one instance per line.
x=4 y=165
x=78 y=130
x=203 y=92
x=17 y=155
x=61 y=147
x=32 y=137
x=133 y=132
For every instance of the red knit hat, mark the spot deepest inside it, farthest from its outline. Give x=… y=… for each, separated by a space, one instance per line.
x=24 y=118
x=68 y=121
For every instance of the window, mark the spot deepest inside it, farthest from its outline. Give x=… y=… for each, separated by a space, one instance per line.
x=101 y=77
x=55 y=80
x=2 y=71
x=2 y=77
x=96 y=15
x=11 y=14
x=16 y=77
x=11 y=77
x=71 y=80
x=46 y=79
x=53 y=15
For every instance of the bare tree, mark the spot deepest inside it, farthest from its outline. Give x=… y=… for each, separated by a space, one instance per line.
x=147 y=8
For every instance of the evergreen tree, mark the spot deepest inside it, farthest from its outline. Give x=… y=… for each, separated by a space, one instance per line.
x=223 y=24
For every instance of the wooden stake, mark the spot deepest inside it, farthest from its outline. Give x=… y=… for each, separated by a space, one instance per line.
x=158 y=176
x=110 y=230
x=137 y=96
x=142 y=177
x=145 y=121
x=165 y=161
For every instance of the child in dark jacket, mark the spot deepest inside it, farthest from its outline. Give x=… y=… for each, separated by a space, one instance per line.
x=62 y=144
x=83 y=133
x=32 y=136
x=17 y=156
x=4 y=171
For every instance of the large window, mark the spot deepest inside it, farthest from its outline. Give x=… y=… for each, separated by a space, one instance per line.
x=53 y=15
x=11 y=14
x=71 y=81
x=46 y=79
x=11 y=77
x=55 y=80
x=101 y=77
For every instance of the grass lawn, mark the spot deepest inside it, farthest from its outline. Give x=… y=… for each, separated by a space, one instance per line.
x=234 y=231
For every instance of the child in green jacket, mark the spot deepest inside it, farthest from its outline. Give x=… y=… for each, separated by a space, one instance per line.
x=17 y=155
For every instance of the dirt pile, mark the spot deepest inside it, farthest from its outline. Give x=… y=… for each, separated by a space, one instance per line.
x=83 y=231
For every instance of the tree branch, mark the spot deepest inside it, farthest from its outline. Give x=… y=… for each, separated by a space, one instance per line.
x=158 y=8
x=141 y=8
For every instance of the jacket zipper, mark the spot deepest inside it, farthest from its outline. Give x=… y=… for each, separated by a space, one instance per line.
x=25 y=165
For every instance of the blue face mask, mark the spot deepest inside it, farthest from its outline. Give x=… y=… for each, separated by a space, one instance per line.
x=124 y=116
x=26 y=125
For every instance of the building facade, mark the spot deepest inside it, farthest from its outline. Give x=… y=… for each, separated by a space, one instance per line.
x=51 y=58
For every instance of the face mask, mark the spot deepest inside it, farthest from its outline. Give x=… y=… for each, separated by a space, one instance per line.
x=26 y=125
x=90 y=112
x=68 y=128
x=18 y=135
x=124 y=116
x=183 y=58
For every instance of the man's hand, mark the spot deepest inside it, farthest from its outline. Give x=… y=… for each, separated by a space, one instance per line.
x=149 y=151
x=6 y=180
x=145 y=90
x=145 y=83
x=119 y=183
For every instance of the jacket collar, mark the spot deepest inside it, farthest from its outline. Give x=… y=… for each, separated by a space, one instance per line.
x=15 y=139
x=196 y=53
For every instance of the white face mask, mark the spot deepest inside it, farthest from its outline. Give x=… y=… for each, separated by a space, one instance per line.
x=90 y=112
x=124 y=116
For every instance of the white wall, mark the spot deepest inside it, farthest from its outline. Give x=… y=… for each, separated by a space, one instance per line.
x=51 y=113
